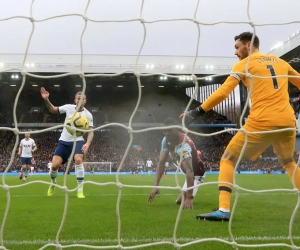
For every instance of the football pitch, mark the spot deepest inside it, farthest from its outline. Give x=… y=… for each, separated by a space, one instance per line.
x=34 y=219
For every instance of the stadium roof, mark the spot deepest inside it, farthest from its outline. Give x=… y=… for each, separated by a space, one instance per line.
x=290 y=52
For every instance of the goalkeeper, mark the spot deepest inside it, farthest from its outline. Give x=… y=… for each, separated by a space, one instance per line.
x=270 y=110
x=175 y=145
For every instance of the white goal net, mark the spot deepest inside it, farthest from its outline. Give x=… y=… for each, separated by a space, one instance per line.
x=107 y=166
x=97 y=167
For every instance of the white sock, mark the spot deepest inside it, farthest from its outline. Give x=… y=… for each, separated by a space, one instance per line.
x=79 y=169
x=53 y=174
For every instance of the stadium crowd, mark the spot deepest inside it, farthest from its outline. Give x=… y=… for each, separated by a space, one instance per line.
x=109 y=145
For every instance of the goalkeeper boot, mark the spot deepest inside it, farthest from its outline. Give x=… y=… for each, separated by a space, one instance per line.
x=20 y=176
x=80 y=194
x=216 y=215
x=51 y=190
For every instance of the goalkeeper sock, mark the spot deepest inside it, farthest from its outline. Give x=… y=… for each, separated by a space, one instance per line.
x=53 y=174
x=79 y=169
x=290 y=170
x=226 y=174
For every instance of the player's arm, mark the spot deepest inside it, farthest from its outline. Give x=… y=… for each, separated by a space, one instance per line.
x=163 y=157
x=90 y=137
x=34 y=149
x=49 y=105
x=220 y=94
x=20 y=149
x=294 y=81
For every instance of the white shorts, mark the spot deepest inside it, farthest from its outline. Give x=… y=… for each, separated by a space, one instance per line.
x=31 y=168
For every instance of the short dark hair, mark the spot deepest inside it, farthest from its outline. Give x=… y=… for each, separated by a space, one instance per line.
x=78 y=93
x=247 y=37
x=170 y=121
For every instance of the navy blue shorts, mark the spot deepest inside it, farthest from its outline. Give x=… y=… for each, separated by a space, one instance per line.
x=64 y=149
x=26 y=160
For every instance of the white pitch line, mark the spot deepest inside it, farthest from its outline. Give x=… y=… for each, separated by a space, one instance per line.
x=143 y=240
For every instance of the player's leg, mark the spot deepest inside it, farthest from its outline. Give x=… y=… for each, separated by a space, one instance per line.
x=79 y=168
x=257 y=144
x=49 y=167
x=23 y=171
x=28 y=163
x=284 y=147
x=23 y=167
x=27 y=170
x=61 y=155
x=31 y=170
x=25 y=161
x=164 y=174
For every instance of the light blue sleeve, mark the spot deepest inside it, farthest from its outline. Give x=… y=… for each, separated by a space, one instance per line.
x=186 y=151
x=164 y=147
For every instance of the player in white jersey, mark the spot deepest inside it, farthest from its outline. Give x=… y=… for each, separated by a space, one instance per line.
x=149 y=165
x=66 y=141
x=26 y=148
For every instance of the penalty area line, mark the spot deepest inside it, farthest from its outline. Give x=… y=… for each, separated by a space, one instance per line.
x=143 y=240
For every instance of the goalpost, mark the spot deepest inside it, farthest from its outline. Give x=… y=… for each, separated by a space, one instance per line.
x=108 y=165
x=103 y=167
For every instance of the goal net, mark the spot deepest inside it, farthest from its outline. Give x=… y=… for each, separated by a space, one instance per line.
x=108 y=167
x=100 y=167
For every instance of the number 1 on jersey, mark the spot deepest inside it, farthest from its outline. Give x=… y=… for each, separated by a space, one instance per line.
x=272 y=71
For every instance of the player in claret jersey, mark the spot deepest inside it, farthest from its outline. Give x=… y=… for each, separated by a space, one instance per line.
x=271 y=110
x=174 y=145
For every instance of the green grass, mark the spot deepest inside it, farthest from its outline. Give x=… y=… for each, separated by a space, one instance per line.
x=34 y=219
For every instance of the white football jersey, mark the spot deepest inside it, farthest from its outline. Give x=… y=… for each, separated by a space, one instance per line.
x=149 y=163
x=70 y=109
x=27 y=146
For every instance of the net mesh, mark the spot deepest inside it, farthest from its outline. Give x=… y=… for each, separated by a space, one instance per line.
x=174 y=241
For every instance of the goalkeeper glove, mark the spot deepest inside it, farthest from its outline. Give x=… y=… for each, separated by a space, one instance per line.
x=192 y=114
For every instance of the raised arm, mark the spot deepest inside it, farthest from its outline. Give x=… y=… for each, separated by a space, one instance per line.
x=49 y=105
